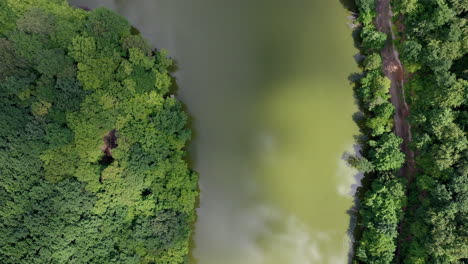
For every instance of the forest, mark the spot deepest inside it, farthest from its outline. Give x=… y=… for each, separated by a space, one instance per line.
x=94 y=165
x=93 y=160
x=423 y=218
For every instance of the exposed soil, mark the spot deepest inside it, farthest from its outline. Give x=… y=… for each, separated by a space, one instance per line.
x=394 y=71
x=110 y=142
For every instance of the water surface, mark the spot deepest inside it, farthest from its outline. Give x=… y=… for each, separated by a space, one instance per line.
x=266 y=83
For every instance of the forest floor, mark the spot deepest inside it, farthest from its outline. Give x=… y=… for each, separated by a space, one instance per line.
x=393 y=69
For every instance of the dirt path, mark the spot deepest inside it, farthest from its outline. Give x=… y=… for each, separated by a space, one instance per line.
x=394 y=71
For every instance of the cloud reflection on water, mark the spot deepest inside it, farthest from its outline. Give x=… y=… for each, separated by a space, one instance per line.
x=275 y=237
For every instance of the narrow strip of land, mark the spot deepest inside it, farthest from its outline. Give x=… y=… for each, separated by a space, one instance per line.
x=394 y=71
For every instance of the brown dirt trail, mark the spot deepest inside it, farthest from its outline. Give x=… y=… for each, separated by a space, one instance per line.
x=394 y=71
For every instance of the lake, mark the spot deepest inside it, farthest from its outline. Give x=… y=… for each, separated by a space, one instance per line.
x=266 y=85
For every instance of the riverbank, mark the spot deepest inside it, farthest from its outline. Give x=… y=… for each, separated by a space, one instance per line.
x=382 y=121
x=393 y=70
x=97 y=145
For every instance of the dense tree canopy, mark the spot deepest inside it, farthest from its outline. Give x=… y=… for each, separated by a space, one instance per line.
x=432 y=214
x=437 y=43
x=380 y=212
x=92 y=143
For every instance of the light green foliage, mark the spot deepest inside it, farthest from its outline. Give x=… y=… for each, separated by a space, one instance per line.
x=138 y=58
x=442 y=14
x=82 y=48
x=40 y=108
x=93 y=160
x=459 y=6
x=404 y=6
x=366 y=5
x=372 y=62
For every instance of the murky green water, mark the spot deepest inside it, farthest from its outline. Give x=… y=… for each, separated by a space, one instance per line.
x=266 y=82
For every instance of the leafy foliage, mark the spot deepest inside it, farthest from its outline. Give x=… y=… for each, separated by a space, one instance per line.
x=92 y=143
x=382 y=198
x=381 y=213
x=373 y=39
x=386 y=153
x=433 y=48
x=372 y=62
x=437 y=39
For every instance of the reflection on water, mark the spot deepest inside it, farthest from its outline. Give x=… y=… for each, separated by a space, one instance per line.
x=266 y=83
x=272 y=236
x=281 y=238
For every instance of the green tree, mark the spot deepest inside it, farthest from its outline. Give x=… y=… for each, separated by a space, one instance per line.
x=381 y=212
x=382 y=121
x=405 y=6
x=373 y=39
x=93 y=148
x=372 y=62
x=385 y=153
x=411 y=51
x=361 y=164
x=36 y=20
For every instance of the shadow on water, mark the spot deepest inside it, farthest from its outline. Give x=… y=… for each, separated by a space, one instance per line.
x=360 y=148
x=353 y=212
x=174 y=89
x=359 y=188
x=191 y=257
x=190 y=157
x=354 y=231
x=359 y=178
x=350 y=5
x=84 y=8
x=364 y=180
